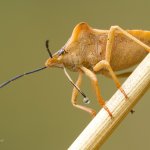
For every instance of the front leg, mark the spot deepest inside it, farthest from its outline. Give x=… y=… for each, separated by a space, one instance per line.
x=75 y=94
x=94 y=80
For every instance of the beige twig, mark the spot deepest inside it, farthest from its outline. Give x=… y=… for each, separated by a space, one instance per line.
x=99 y=129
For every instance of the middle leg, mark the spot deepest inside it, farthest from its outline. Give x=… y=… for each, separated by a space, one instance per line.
x=93 y=77
x=105 y=64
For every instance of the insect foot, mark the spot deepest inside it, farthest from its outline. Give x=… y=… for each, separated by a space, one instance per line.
x=106 y=108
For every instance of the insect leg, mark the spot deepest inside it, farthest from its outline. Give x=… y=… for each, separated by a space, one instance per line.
x=75 y=94
x=105 y=64
x=110 y=40
x=93 y=77
x=113 y=28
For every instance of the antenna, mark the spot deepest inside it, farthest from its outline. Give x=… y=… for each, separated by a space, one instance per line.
x=47 y=47
x=85 y=98
x=30 y=72
x=21 y=75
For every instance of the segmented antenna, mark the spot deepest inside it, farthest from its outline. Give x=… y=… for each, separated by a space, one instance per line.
x=47 y=47
x=21 y=75
x=30 y=72
x=85 y=100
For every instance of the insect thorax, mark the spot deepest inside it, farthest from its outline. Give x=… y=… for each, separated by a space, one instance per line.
x=82 y=55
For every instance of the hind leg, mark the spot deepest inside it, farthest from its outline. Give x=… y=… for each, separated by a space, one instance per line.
x=105 y=64
x=111 y=36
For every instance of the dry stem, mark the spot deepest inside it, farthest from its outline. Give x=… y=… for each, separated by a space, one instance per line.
x=99 y=129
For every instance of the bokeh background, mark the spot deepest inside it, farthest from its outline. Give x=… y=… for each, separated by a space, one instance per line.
x=35 y=111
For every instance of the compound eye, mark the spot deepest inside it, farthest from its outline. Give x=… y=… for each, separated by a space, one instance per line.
x=60 y=52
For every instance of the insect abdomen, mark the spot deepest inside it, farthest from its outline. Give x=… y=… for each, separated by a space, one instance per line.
x=143 y=35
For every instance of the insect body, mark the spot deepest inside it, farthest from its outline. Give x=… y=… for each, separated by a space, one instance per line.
x=87 y=47
x=91 y=51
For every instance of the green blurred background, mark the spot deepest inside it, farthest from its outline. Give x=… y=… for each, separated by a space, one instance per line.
x=35 y=111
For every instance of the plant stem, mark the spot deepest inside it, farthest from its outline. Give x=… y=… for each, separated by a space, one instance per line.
x=100 y=128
